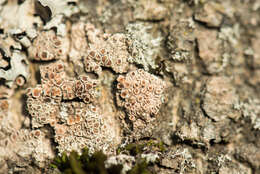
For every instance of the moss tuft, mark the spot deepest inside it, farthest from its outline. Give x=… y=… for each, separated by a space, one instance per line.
x=84 y=163
x=141 y=167
x=137 y=148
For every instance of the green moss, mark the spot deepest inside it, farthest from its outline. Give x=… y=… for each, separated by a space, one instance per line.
x=161 y=146
x=95 y=164
x=137 y=148
x=84 y=163
x=141 y=167
x=134 y=149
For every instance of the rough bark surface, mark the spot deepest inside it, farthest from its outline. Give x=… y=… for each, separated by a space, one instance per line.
x=182 y=75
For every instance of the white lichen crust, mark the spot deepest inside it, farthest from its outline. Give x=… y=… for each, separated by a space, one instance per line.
x=18 y=67
x=143 y=47
x=126 y=160
x=250 y=109
x=26 y=146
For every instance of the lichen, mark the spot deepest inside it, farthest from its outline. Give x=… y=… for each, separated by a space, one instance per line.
x=250 y=109
x=143 y=46
x=141 y=94
x=24 y=19
x=18 y=67
x=27 y=147
x=70 y=107
x=148 y=86
x=60 y=6
x=106 y=51
x=46 y=46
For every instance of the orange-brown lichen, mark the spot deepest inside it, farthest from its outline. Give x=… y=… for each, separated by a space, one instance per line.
x=20 y=81
x=70 y=108
x=106 y=51
x=141 y=94
x=46 y=46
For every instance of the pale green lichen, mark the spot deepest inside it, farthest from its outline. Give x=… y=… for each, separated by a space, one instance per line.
x=18 y=67
x=250 y=109
x=143 y=47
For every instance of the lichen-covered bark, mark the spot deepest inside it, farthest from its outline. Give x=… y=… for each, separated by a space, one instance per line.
x=169 y=85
